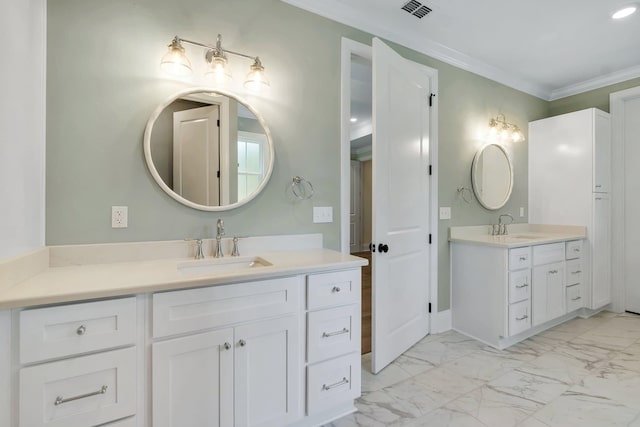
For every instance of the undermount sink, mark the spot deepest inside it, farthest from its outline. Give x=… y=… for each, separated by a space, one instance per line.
x=217 y=265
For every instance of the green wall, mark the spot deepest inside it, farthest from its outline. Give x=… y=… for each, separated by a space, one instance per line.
x=104 y=82
x=598 y=98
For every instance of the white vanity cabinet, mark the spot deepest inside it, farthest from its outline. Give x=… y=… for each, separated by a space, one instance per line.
x=77 y=364
x=502 y=295
x=243 y=371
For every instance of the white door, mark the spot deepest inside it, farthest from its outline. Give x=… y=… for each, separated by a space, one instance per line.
x=267 y=373
x=196 y=155
x=355 y=219
x=400 y=273
x=629 y=128
x=192 y=380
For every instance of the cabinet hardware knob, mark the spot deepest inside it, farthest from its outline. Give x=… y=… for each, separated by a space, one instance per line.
x=227 y=346
x=334 y=385
x=576 y=298
x=522 y=286
x=522 y=258
x=576 y=272
x=576 y=249
x=336 y=289
x=522 y=318
x=331 y=334
x=81 y=330
x=553 y=271
x=242 y=343
x=60 y=400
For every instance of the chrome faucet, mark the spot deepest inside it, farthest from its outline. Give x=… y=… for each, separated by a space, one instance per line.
x=502 y=228
x=199 y=252
x=218 y=253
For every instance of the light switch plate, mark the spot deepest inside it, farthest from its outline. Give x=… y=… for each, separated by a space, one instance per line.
x=322 y=214
x=445 y=212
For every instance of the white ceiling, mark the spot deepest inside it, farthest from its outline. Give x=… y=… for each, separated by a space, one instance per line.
x=547 y=48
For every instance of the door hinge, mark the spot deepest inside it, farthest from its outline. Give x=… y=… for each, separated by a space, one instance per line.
x=218 y=174
x=430 y=170
x=218 y=122
x=431 y=96
x=429 y=238
x=429 y=307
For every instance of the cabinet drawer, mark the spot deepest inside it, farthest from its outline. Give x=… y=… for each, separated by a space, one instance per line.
x=333 y=332
x=190 y=310
x=50 y=332
x=545 y=254
x=519 y=317
x=519 y=285
x=574 y=249
x=84 y=391
x=519 y=258
x=574 y=272
x=329 y=289
x=333 y=382
x=575 y=298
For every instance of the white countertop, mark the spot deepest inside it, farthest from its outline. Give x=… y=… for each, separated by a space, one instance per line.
x=519 y=235
x=24 y=281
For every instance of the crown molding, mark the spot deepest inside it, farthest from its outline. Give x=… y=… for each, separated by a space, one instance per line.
x=596 y=83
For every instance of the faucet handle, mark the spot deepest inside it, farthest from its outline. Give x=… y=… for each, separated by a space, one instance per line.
x=235 y=251
x=199 y=253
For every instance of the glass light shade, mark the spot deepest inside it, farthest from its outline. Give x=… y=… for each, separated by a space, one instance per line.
x=175 y=62
x=218 y=70
x=256 y=79
x=517 y=135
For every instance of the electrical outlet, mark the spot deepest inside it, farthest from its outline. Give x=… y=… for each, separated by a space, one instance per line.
x=445 y=213
x=322 y=214
x=119 y=216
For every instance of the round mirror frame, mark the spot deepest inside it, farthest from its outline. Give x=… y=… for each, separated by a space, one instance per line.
x=156 y=176
x=474 y=184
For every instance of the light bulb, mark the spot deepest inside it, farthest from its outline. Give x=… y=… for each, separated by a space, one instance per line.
x=623 y=13
x=218 y=67
x=175 y=62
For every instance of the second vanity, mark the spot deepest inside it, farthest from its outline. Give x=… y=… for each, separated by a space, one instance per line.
x=101 y=338
x=508 y=288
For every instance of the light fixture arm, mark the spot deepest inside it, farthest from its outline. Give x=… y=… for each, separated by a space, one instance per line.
x=217 y=47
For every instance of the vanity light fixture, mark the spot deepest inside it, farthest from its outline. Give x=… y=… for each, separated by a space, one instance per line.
x=176 y=63
x=499 y=127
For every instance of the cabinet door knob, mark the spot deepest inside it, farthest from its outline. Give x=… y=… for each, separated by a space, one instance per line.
x=81 y=330
x=336 y=289
x=227 y=346
x=242 y=343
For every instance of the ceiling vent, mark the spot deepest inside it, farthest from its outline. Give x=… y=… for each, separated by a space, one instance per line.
x=416 y=8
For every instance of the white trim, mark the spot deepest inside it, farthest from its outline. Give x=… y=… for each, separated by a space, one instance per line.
x=596 y=83
x=440 y=322
x=617 y=100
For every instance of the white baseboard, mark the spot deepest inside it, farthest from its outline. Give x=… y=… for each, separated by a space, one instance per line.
x=440 y=322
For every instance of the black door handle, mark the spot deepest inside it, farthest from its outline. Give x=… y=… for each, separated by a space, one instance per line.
x=383 y=248
x=372 y=247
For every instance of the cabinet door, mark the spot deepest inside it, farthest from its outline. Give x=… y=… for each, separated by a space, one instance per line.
x=602 y=153
x=601 y=251
x=193 y=381
x=548 y=293
x=267 y=373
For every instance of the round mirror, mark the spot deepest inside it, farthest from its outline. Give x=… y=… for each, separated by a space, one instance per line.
x=492 y=176
x=208 y=149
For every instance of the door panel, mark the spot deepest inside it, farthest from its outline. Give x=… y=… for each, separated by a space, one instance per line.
x=400 y=276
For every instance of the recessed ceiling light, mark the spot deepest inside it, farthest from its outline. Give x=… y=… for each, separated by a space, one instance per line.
x=353 y=119
x=624 y=12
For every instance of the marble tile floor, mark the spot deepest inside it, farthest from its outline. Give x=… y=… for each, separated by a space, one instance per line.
x=585 y=372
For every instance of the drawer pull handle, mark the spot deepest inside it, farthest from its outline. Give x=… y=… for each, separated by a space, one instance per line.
x=227 y=346
x=60 y=400
x=336 y=289
x=576 y=249
x=576 y=298
x=522 y=318
x=522 y=258
x=333 y=334
x=81 y=330
x=242 y=343
x=338 y=384
x=553 y=271
x=522 y=286
x=576 y=272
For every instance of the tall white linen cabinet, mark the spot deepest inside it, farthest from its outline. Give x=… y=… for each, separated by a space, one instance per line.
x=569 y=184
